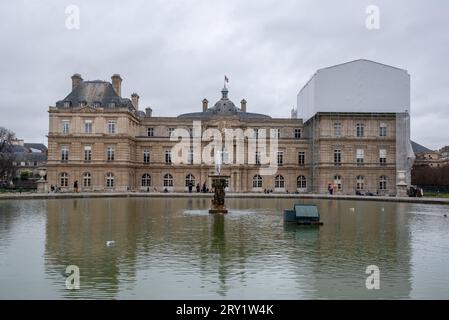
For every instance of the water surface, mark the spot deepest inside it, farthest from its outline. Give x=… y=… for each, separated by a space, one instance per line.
x=173 y=249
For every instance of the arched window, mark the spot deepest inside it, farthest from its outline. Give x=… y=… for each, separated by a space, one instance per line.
x=64 y=179
x=87 y=180
x=279 y=181
x=383 y=183
x=110 y=180
x=337 y=182
x=301 y=182
x=257 y=181
x=168 y=180
x=360 y=182
x=146 y=180
x=190 y=180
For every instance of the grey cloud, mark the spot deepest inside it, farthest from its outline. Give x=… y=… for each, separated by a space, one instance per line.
x=175 y=53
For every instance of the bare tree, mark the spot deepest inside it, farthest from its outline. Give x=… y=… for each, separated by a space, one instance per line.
x=7 y=168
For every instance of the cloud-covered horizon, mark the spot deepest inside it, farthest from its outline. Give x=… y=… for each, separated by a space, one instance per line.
x=175 y=53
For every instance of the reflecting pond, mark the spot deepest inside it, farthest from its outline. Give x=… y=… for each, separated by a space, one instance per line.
x=173 y=249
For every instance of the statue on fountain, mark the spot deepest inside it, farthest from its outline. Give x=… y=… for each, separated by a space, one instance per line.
x=219 y=186
x=219 y=183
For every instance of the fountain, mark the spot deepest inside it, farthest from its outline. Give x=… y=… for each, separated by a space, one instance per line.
x=219 y=183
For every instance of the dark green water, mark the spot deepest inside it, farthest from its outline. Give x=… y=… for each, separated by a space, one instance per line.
x=173 y=249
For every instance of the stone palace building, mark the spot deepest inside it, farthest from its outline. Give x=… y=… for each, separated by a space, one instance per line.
x=351 y=130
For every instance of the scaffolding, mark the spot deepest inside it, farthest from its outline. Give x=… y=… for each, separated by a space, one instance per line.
x=404 y=154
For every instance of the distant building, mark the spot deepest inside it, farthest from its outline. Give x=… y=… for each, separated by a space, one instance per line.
x=105 y=142
x=444 y=153
x=427 y=157
x=29 y=160
x=351 y=130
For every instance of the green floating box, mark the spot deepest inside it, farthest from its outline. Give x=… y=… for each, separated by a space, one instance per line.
x=303 y=214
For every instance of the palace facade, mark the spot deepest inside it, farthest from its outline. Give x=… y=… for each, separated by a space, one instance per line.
x=105 y=142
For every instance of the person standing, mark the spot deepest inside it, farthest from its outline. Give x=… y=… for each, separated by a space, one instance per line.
x=75 y=185
x=330 y=188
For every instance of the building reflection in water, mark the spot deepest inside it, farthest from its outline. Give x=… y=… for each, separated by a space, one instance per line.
x=162 y=251
x=77 y=232
x=218 y=247
x=354 y=235
x=16 y=216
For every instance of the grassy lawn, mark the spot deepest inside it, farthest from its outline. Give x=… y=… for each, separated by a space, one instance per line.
x=16 y=190
x=436 y=194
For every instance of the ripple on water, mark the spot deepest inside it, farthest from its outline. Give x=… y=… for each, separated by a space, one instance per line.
x=163 y=250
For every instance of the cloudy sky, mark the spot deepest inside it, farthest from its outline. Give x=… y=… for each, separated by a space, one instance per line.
x=175 y=53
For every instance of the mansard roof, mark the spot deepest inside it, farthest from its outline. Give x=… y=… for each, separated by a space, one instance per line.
x=95 y=93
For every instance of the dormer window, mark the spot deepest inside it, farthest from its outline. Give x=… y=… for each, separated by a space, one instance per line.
x=97 y=104
x=82 y=103
x=66 y=104
x=112 y=104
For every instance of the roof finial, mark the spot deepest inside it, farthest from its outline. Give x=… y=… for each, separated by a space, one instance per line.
x=224 y=93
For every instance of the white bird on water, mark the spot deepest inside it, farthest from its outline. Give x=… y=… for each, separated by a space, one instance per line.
x=110 y=243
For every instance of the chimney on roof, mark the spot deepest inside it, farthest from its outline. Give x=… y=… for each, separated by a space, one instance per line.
x=243 y=105
x=205 y=102
x=76 y=80
x=148 y=111
x=135 y=100
x=117 y=84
